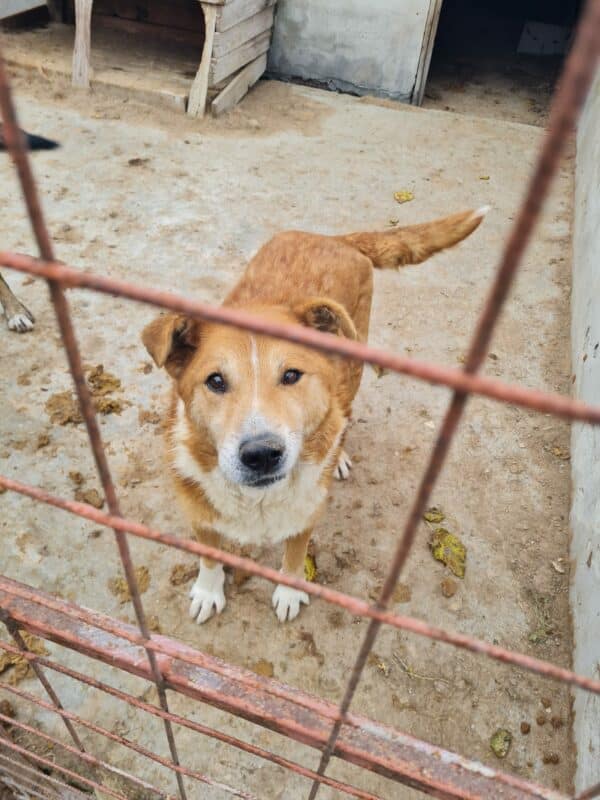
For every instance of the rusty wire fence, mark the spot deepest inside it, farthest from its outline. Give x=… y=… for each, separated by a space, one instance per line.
x=172 y=666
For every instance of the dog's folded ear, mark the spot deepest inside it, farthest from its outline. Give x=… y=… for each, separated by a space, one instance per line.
x=326 y=315
x=172 y=340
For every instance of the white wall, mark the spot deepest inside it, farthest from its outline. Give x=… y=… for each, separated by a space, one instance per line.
x=585 y=519
x=365 y=46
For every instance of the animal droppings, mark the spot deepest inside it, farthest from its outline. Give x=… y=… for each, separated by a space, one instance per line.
x=119 y=587
x=108 y=405
x=434 y=515
x=500 y=743
x=449 y=587
x=182 y=573
x=310 y=568
x=101 y=382
x=62 y=409
x=447 y=548
x=90 y=496
x=402 y=593
x=15 y=665
x=263 y=667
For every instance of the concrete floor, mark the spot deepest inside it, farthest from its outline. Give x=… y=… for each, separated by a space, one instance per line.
x=187 y=217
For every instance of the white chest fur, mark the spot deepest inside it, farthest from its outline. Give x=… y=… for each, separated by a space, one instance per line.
x=255 y=516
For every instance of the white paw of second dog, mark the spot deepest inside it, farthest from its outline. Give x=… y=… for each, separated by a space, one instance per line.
x=286 y=602
x=207 y=593
x=344 y=465
x=21 y=322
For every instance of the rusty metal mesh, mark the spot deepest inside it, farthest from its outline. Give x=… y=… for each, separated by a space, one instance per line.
x=169 y=664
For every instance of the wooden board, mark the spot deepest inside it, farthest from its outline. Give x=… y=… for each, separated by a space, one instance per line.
x=237 y=36
x=81 y=51
x=238 y=87
x=237 y=11
x=199 y=91
x=431 y=25
x=228 y=64
x=8 y=8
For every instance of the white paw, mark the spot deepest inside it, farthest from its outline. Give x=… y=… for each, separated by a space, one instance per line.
x=286 y=602
x=344 y=465
x=207 y=593
x=21 y=322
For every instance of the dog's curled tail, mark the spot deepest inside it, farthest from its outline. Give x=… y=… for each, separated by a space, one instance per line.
x=413 y=244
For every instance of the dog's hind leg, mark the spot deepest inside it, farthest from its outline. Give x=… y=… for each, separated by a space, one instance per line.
x=18 y=317
x=343 y=466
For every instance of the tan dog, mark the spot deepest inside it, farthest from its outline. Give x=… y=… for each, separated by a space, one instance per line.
x=256 y=425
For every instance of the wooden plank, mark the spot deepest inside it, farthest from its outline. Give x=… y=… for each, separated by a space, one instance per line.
x=431 y=25
x=240 y=34
x=225 y=66
x=237 y=88
x=198 y=92
x=238 y=10
x=83 y=36
x=9 y=8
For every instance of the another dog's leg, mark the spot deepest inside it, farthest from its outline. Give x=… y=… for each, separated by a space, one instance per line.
x=18 y=317
x=207 y=592
x=343 y=467
x=286 y=601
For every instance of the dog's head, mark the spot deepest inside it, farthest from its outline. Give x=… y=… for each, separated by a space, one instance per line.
x=257 y=402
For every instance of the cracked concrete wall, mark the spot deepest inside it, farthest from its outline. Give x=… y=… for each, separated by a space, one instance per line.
x=366 y=48
x=585 y=515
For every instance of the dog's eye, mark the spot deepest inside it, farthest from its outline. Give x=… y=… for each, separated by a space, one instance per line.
x=216 y=383
x=291 y=376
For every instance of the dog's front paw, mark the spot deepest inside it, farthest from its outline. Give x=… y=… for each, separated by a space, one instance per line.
x=286 y=602
x=21 y=322
x=207 y=593
x=344 y=465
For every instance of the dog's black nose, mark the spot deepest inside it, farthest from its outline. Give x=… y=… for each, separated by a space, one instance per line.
x=262 y=454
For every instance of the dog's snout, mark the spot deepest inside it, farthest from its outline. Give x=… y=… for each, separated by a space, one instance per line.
x=262 y=454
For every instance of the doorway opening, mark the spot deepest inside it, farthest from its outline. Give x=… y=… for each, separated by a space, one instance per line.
x=500 y=58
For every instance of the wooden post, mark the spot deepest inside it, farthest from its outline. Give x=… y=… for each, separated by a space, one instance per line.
x=199 y=91
x=83 y=36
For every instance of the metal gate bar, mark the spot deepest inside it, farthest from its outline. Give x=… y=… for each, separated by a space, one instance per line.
x=351 y=604
x=288 y=711
x=567 y=102
x=457 y=379
x=193 y=726
x=14 y=141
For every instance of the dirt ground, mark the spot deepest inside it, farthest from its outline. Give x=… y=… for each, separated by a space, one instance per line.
x=487 y=87
x=476 y=67
x=145 y=194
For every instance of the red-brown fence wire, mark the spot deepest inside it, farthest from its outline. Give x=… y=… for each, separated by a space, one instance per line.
x=172 y=666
